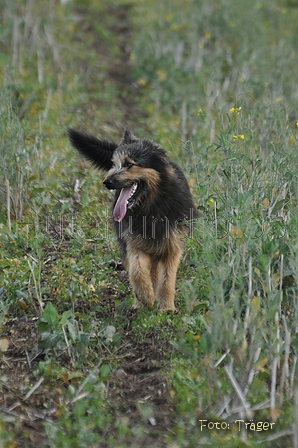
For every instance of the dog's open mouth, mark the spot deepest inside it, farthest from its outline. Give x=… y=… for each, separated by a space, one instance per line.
x=125 y=200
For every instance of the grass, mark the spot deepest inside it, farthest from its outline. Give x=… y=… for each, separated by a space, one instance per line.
x=214 y=82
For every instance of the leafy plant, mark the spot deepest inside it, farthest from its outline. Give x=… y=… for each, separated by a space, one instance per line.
x=60 y=332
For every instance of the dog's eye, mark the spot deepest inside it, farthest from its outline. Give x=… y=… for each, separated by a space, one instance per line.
x=129 y=165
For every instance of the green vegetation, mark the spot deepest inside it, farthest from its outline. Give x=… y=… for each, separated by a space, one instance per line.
x=215 y=83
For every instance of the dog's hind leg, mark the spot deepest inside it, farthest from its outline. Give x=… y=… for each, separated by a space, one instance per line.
x=139 y=265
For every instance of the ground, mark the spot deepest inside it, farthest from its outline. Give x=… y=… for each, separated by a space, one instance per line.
x=139 y=378
x=214 y=83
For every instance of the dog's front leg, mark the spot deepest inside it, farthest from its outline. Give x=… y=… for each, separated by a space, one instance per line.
x=167 y=281
x=139 y=265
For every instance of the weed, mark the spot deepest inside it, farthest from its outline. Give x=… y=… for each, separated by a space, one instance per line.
x=240 y=253
x=16 y=166
x=215 y=83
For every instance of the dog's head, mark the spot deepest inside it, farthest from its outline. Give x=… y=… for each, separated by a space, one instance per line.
x=134 y=167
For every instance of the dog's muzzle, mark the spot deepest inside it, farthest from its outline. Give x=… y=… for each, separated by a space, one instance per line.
x=109 y=183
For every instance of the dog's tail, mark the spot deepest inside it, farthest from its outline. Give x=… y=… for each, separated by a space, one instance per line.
x=99 y=152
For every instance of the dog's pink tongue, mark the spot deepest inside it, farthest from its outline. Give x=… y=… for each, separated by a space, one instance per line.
x=121 y=204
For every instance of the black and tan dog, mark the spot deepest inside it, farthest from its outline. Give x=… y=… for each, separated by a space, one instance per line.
x=152 y=210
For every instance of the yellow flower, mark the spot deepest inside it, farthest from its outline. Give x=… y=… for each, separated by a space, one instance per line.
x=210 y=201
x=142 y=82
x=235 y=110
x=237 y=137
x=292 y=140
x=169 y=17
x=200 y=112
x=296 y=124
x=174 y=26
x=161 y=74
x=207 y=34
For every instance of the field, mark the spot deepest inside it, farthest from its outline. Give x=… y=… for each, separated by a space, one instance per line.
x=215 y=83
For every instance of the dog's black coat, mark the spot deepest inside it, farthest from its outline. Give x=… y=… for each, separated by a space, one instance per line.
x=159 y=207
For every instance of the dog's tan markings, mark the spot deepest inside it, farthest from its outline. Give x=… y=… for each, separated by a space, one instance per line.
x=117 y=165
x=118 y=158
x=139 y=276
x=171 y=171
x=136 y=174
x=154 y=276
x=128 y=160
x=167 y=271
x=148 y=175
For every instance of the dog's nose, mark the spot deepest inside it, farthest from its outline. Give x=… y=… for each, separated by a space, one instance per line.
x=108 y=183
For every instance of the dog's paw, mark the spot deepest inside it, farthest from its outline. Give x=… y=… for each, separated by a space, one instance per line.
x=137 y=305
x=168 y=310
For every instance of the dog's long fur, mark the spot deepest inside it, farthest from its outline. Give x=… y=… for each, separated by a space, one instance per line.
x=152 y=210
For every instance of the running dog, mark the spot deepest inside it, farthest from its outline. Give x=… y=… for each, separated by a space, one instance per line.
x=153 y=210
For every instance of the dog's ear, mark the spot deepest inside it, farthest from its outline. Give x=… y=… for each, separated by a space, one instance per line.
x=99 y=152
x=128 y=137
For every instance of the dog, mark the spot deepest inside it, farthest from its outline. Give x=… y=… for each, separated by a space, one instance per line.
x=153 y=210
